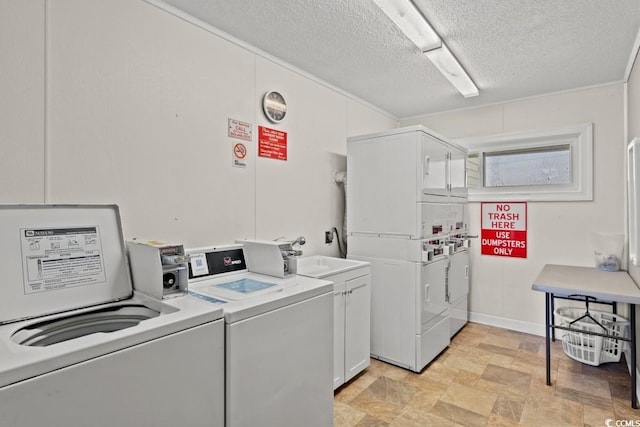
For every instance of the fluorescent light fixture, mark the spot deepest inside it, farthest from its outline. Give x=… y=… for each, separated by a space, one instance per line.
x=413 y=24
x=408 y=18
x=449 y=66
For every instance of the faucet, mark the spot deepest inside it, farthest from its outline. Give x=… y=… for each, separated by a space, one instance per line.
x=300 y=240
x=289 y=254
x=287 y=248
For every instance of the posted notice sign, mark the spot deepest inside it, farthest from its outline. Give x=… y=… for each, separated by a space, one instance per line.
x=239 y=155
x=240 y=130
x=504 y=229
x=272 y=143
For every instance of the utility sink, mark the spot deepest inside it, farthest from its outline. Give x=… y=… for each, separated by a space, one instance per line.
x=319 y=266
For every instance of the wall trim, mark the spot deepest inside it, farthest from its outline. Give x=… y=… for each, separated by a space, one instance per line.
x=503 y=322
x=512 y=101
x=632 y=57
x=207 y=27
x=248 y=47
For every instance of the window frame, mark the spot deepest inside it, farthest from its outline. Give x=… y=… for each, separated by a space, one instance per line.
x=579 y=138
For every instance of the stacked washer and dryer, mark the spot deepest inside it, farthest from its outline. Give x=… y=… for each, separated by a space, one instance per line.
x=406 y=215
x=80 y=347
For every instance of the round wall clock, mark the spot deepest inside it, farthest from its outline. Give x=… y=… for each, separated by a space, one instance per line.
x=274 y=106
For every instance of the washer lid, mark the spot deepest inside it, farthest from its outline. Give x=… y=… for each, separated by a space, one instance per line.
x=56 y=258
x=248 y=288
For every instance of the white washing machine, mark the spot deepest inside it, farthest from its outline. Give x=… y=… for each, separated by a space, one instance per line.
x=278 y=338
x=79 y=348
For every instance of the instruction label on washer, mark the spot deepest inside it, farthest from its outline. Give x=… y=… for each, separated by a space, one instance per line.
x=60 y=258
x=199 y=264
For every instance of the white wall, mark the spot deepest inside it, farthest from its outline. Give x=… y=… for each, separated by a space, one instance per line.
x=633 y=131
x=558 y=233
x=136 y=103
x=122 y=102
x=22 y=115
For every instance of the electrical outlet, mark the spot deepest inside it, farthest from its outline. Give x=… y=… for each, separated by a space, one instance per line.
x=328 y=237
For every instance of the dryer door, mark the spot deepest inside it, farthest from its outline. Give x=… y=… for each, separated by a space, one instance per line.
x=431 y=293
x=459 y=276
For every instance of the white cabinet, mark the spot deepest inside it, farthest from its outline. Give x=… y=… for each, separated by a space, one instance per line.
x=444 y=168
x=458 y=172
x=391 y=173
x=435 y=166
x=357 y=321
x=351 y=311
x=351 y=327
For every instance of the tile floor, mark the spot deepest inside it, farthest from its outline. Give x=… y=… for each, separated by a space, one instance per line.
x=488 y=377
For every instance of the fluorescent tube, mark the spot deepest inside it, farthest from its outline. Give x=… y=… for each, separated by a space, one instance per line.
x=408 y=18
x=449 y=66
x=413 y=24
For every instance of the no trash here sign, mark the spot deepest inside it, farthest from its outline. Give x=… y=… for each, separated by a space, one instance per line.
x=504 y=229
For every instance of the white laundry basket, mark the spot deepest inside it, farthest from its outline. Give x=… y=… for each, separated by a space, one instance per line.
x=592 y=349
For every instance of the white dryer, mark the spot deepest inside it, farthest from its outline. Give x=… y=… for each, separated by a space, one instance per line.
x=278 y=339
x=79 y=348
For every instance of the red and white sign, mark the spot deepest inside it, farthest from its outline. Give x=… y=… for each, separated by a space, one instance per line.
x=272 y=143
x=504 y=229
x=239 y=155
x=240 y=130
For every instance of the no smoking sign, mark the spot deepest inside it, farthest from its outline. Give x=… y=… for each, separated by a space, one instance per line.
x=239 y=155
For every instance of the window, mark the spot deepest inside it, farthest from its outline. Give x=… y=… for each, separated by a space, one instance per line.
x=542 y=165
x=529 y=166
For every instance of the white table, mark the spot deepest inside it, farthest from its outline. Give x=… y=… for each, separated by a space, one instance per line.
x=604 y=286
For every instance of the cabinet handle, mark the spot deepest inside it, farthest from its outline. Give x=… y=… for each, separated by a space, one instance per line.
x=466 y=271
x=426 y=293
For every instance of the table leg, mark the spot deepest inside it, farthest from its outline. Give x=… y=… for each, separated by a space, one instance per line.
x=553 y=318
x=632 y=321
x=548 y=328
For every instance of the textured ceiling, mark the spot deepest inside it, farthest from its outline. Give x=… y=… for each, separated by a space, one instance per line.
x=511 y=48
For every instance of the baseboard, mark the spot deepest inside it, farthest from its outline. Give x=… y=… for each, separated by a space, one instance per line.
x=502 y=322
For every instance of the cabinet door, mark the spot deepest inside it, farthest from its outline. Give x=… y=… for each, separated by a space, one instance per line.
x=457 y=172
x=431 y=293
x=435 y=157
x=338 y=334
x=357 y=326
x=458 y=275
x=382 y=172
